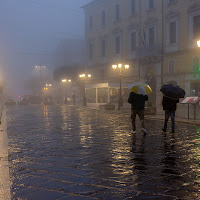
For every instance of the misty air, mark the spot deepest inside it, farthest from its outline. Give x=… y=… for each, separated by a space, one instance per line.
x=99 y=99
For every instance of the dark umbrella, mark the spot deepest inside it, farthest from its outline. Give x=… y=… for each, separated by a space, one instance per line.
x=172 y=91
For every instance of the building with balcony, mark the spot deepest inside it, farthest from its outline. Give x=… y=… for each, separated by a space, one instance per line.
x=157 y=38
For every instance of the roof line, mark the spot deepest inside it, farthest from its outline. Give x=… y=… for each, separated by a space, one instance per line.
x=88 y=4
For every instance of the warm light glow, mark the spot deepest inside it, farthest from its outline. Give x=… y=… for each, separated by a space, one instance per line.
x=119 y=66
x=85 y=76
x=82 y=75
x=198 y=43
x=126 y=66
x=114 y=66
x=69 y=80
x=48 y=85
x=64 y=80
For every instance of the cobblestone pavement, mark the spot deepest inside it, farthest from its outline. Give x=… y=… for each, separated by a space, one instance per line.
x=74 y=153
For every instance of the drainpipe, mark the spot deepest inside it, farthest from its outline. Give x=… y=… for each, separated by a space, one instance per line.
x=162 y=45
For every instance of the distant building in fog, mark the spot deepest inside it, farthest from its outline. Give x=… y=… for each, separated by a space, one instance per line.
x=157 y=38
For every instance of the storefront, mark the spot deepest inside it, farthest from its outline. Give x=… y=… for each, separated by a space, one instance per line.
x=195 y=87
x=103 y=93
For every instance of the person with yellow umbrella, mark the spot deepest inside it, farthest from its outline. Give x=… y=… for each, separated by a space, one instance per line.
x=137 y=97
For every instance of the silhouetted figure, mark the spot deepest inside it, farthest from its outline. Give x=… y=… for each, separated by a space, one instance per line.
x=73 y=98
x=169 y=106
x=137 y=102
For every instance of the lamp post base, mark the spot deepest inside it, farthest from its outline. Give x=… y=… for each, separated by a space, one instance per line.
x=84 y=102
x=120 y=103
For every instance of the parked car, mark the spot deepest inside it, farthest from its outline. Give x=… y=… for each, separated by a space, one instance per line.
x=23 y=102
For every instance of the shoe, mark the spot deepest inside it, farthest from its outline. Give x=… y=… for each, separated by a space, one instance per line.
x=163 y=130
x=144 y=130
x=133 y=132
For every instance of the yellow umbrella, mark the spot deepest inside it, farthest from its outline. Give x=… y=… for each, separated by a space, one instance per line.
x=140 y=88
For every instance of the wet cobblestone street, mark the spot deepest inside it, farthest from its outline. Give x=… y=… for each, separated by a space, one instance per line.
x=74 y=153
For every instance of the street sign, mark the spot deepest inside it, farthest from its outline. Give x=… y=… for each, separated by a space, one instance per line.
x=191 y=100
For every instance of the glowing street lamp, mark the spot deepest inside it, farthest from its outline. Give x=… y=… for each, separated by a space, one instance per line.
x=40 y=68
x=198 y=43
x=84 y=77
x=65 y=89
x=119 y=67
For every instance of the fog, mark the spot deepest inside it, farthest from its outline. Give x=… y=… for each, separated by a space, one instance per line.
x=30 y=33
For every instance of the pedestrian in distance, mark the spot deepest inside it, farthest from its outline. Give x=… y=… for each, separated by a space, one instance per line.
x=137 y=102
x=73 y=98
x=169 y=106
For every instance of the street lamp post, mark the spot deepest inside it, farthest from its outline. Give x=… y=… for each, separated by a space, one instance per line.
x=120 y=68
x=65 y=88
x=40 y=68
x=84 y=77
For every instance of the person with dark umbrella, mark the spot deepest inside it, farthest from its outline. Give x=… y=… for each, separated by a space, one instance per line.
x=171 y=94
x=169 y=106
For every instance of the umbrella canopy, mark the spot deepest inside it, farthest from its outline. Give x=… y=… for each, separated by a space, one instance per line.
x=140 y=88
x=172 y=91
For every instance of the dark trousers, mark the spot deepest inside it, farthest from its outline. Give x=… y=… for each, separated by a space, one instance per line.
x=167 y=115
x=140 y=114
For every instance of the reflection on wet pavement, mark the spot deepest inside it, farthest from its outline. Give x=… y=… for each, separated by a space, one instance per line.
x=66 y=152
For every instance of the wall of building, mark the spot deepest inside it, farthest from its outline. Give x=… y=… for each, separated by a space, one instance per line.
x=145 y=63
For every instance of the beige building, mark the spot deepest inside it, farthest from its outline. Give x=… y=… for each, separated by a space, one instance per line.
x=157 y=38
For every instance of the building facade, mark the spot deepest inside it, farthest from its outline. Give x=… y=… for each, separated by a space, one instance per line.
x=157 y=38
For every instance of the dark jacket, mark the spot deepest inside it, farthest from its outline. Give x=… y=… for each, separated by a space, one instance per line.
x=169 y=104
x=137 y=101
